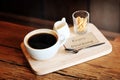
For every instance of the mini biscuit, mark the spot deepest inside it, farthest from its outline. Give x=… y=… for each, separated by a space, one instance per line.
x=81 y=23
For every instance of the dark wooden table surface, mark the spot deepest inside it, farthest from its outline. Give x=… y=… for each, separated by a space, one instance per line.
x=14 y=66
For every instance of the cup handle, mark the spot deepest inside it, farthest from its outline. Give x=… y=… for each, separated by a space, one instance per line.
x=62 y=40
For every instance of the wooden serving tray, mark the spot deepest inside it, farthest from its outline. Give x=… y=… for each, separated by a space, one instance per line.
x=64 y=59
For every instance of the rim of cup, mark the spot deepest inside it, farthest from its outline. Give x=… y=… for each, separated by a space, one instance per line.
x=80 y=11
x=37 y=31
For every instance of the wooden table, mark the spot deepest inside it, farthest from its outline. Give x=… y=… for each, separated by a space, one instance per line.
x=14 y=66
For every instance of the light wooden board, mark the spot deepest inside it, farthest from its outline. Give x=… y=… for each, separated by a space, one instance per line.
x=64 y=59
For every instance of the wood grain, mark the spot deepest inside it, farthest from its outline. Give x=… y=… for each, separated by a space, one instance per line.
x=104 y=68
x=12 y=34
x=117 y=39
x=10 y=72
x=14 y=66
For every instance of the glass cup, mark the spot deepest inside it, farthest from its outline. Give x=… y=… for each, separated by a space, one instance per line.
x=80 y=21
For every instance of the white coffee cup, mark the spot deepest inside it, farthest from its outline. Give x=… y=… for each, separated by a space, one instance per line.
x=45 y=53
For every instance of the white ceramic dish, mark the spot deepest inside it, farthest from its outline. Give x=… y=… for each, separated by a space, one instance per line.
x=63 y=59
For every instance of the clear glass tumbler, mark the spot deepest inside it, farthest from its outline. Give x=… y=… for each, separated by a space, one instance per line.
x=80 y=21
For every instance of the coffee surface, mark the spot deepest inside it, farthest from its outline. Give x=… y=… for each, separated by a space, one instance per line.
x=42 y=40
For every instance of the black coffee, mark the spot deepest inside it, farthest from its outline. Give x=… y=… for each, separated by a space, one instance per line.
x=42 y=40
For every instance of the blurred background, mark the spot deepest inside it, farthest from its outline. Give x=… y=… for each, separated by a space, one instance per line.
x=105 y=14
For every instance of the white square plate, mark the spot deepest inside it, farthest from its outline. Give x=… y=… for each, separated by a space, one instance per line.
x=64 y=59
